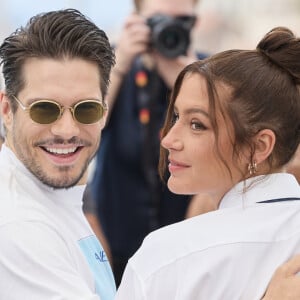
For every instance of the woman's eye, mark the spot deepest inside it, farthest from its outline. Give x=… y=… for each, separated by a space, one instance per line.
x=196 y=125
x=175 y=118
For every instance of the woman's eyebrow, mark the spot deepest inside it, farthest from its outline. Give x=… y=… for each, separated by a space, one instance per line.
x=193 y=110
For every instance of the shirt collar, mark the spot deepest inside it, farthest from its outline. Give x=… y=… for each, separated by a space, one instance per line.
x=261 y=188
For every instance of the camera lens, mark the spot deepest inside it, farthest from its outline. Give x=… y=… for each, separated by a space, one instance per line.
x=170 y=35
x=172 y=41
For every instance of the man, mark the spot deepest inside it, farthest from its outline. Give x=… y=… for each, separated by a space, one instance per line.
x=56 y=72
x=131 y=201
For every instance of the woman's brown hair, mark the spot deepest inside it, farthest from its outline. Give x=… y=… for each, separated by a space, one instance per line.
x=264 y=93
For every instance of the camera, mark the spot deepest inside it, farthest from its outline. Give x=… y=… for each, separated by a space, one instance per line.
x=170 y=36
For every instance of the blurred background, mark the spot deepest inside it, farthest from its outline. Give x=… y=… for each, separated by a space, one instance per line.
x=224 y=23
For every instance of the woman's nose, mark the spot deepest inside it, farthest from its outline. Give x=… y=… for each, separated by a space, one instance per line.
x=172 y=140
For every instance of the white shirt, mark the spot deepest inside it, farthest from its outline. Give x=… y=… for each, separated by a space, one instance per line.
x=48 y=250
x=227 y=254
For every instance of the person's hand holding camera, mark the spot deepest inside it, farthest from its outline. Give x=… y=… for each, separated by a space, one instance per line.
x=165 y=38
x=133 y=40
x=170 y=43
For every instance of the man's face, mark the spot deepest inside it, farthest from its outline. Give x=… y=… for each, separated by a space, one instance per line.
x=167 y=7
x=58 y=154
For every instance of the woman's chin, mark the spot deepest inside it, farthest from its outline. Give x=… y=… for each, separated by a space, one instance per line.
x=177 y=188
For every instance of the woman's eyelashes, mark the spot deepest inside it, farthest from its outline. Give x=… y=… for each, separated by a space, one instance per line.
x=175 y=117
x=197 y=125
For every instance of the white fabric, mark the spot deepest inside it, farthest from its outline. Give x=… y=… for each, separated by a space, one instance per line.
x=46 y=241
x=229 y=254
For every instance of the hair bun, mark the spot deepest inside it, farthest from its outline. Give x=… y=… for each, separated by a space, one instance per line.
x=282 y=48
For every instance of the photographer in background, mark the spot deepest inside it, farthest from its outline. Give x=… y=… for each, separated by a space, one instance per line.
x=131 y=201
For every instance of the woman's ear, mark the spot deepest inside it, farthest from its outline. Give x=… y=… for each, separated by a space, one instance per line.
x=5 y=110
x=264 y=142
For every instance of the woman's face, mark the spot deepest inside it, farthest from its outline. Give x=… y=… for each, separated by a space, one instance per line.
x=194 y=165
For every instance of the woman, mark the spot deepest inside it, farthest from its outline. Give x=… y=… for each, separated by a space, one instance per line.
x=232 y=125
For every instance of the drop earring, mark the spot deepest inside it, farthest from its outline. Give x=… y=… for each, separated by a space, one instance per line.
x=252 y=168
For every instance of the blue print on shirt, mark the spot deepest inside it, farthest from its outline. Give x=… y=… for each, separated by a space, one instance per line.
x=98 y=262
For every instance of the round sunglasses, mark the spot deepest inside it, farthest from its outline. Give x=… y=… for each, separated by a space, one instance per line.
x=48 y=111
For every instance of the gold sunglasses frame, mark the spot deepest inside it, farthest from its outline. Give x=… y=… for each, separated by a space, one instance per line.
x=61 y=109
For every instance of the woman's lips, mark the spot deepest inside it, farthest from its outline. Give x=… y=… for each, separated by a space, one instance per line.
x=175 y=166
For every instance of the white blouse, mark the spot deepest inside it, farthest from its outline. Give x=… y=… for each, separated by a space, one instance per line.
x=228 y=254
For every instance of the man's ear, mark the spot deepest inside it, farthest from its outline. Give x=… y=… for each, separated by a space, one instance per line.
x=264 y=144
x=5 y=110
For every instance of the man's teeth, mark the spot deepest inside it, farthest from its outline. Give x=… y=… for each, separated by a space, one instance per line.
x=61 y=151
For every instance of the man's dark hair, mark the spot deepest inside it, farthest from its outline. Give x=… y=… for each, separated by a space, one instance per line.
x=57 y=34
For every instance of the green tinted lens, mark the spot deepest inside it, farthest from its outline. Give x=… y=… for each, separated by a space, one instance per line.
x=88 y=112
x=44 y=112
